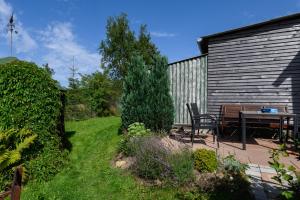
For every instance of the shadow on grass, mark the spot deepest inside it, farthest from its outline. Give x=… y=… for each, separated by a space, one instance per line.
x=66 y=140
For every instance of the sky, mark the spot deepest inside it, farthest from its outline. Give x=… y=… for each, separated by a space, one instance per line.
x=55 y=31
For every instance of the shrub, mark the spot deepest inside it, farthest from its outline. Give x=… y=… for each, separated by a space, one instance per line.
x=154 y=160
x=13 y=143
x=135 y=90
x=138 y=129
x=283 y=174
x=123 y=146
x=218 y=186
x=134 y=130
x=77 y=112
x=161 y=112
x=233 y=166
x=205 y=160
x=47 y=164
x=151 y=158
x=93 y=95
x=230 y=183
x=182 y=165
x=30 y=99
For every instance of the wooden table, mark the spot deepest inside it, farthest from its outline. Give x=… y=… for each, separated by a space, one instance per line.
x=260 y=115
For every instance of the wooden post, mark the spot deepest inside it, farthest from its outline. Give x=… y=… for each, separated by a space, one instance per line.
x=15 y=191
x=16 y=185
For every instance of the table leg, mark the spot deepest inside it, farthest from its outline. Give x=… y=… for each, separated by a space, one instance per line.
x=243 y=131
x=295 y=132
x=280 y=130
x=287 y=129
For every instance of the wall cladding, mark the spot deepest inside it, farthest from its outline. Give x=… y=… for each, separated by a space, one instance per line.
x=256 y=66
x=188 y=84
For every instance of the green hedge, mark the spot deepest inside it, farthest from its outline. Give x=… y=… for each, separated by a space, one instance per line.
x=30 y=98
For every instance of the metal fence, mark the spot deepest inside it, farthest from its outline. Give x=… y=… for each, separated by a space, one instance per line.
x=188 y=79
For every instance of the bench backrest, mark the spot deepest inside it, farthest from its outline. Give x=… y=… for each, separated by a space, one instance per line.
x=232 y=111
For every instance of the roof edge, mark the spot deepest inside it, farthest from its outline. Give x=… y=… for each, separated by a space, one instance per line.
x=186 y=59
x=204 y=39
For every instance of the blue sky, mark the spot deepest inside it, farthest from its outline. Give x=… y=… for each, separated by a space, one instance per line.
x=53 y=31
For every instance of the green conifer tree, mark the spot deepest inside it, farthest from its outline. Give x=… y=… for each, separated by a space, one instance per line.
x=161 y=111
x=135 y=89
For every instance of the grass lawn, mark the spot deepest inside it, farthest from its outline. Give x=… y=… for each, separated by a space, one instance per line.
x=89 y=174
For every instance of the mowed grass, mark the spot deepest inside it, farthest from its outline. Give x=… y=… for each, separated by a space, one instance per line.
x=89 y=174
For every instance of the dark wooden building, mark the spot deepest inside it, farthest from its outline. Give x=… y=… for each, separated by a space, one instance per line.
x=256 y=64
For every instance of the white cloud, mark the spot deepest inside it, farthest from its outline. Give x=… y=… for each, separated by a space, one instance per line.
x=61 y=46
x=5 y=8
x=162 y=34
x=56 y=44
x=23 y=40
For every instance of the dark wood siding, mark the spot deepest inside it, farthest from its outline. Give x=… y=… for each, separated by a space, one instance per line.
x=256 y=66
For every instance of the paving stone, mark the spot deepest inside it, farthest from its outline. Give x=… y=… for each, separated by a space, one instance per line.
x=253 y=173
x=253 y=165
x=266 y=169
x=267 y=177
x=272 y=190
x=255 y=169
x=257 y=189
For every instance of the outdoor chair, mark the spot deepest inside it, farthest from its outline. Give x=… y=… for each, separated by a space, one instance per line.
x=202 y=121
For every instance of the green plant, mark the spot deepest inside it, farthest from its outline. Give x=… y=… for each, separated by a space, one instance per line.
x=121 y=44
x=136 y=129
x=285 y=174
x=133 y=103
x=47 y=164
x=182 y=165
x=151 y=158
x=192 y=195
x=232 y=166
x=13 y=143
x=78 y=112
x=205 y=160
x=155 y=160
x=31 y=99
x=102 y=93
x=215 y=186
x=161 y=111
x=94 y=95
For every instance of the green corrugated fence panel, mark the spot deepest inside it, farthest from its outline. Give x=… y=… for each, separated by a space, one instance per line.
x=188 y=84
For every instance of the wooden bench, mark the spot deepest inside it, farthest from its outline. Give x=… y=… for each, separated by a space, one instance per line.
x=15 y=192
x=230 y=116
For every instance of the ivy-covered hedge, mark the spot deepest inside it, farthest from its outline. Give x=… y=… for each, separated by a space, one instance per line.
x=30 y=98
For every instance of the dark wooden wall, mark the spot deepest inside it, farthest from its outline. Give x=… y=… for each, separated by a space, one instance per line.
x=256 y=66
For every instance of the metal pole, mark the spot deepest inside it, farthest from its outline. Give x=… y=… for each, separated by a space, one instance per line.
x=11 y=53
x=11 y=29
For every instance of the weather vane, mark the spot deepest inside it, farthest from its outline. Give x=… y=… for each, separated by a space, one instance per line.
x=11 y=29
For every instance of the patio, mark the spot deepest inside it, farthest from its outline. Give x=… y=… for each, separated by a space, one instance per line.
x=257 y=152
x=256 y=156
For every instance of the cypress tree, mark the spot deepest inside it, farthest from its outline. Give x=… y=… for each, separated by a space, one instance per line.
x=134 y=99
x=161 y=107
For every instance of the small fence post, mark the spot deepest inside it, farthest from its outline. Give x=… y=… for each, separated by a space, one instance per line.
x=16 y=185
